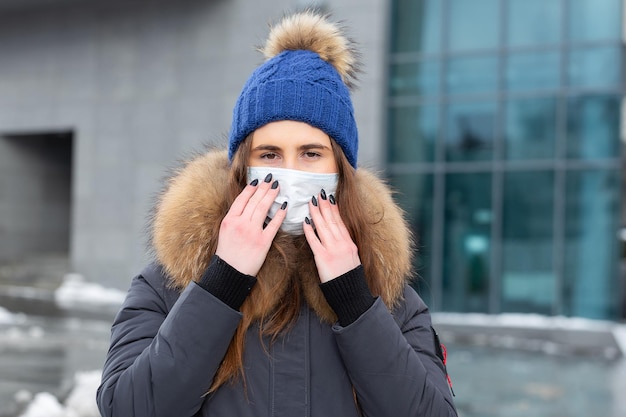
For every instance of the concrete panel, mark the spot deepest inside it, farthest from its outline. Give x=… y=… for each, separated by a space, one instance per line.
x=112 y=246
x=154 y=131
x=113 y=197
x=109 y=274
x=117 y=55
x=201 y=120
x=201 y=79
x=81 y=249
x=113 y=132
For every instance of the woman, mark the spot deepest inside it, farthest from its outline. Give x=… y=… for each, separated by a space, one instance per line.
x=280 y=281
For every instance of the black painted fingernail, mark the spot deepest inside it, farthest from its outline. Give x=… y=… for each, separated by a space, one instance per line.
x=331 y=198
x=254 y=182
x=307 y=221
x=268 y=177
x=323 y=194
x=284 y=206
x=274 y=185
x=314 y=200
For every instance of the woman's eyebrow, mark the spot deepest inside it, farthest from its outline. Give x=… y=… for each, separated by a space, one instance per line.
x=307 y=146
x=313 y=146
x=264 y=147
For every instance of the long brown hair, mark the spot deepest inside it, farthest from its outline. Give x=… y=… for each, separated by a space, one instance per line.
x=279 y=318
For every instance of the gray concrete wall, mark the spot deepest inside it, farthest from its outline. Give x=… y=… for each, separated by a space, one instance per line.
x=142 y=84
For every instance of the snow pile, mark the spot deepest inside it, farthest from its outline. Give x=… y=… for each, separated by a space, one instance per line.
x=75 y=292
x=526 y=321
x=45 y=405
x=80 y=403
x=620 y=337
x=5 y=316
x=82 y=399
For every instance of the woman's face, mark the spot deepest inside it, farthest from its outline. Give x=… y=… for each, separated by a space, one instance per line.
x=292 y=145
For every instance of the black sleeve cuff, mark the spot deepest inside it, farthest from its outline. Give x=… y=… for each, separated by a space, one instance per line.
x=348 y=295
x=226 y=283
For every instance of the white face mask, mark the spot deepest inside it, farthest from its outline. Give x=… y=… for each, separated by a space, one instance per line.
x=296 y=188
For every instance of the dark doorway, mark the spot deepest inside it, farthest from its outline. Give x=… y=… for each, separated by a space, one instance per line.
x=35 y=205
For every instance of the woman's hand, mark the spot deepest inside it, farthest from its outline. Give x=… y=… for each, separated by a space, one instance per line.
x=243 y=242
x=334 y=251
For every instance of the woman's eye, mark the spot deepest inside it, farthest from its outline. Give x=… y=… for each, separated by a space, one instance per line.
x=311 y=154
x=271 y=156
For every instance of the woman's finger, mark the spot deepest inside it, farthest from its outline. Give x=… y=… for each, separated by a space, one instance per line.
x=324 y=234
x=323 y=219
x=261 y=191
x=260 y=212
x=241 y=201
x=274 y=224
x=338 y=221
x=311 y=237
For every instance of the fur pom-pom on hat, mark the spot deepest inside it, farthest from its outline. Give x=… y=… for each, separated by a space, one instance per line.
x=313 y=32
x=310 y=67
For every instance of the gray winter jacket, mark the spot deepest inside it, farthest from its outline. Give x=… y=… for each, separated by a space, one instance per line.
x=171 y=334
x=165 y=350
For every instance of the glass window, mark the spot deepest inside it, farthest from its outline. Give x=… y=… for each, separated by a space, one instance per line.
x=533 y=22
x=530 y=128
x=528 y=278
x=415 y=78
x=595 y=67
x=532 y=71
x=467 y=242
x=593 y=127
x=413 y=133
x=474 y=24
x=472 y=75
x=470 y=129
x=591 y=286
x=415 y=196
x=593 y=20
x=416 y=26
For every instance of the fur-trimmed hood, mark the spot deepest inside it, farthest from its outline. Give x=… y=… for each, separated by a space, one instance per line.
x=189 y=211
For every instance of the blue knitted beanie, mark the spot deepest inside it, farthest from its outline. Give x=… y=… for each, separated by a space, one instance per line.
x=299 y=82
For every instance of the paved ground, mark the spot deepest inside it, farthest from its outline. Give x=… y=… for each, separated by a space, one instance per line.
x=509 y=383
x=535 y=366
x=42 y=354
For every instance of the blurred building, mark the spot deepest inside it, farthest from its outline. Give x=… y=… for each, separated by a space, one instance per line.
x=504 y=134
x=498 y=122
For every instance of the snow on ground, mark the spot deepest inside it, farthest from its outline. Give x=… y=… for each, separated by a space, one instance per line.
x=535 y=321
x=5 y=316
x=620 y=337
x=523 y=321
x=75 y=292
x=80 y=403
